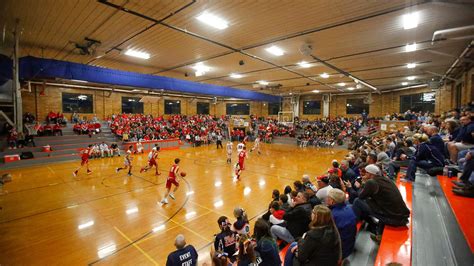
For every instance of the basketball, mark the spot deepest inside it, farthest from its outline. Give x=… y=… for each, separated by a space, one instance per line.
x=183 y=174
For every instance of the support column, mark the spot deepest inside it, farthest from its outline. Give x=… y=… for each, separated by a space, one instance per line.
x=18 y=103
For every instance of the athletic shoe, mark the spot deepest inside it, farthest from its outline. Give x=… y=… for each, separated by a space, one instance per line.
x=89 y=172
x=172 y=196
x=157 y=174
x=129 y=174
x=74 y=173
x=164 y=201
x=117 y=170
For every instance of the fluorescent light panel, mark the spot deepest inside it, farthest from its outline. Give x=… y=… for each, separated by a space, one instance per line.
x=262 y=82
x=235 y=76
x=410 y=21
x=304 y=64
x=411 y=65
x=275 y=50
x=350 y=88
x=324 y=75
x=315 y=91
x=404 y=83
x=138 y=54
x=341 y=84
x=213 y=21
x=411 y=78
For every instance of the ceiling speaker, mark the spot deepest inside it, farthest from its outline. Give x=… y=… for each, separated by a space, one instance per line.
x=306 y=49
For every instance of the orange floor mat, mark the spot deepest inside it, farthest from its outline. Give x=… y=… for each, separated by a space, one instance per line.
x=462 y=208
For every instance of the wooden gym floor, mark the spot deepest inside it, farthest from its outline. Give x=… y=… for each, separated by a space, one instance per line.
x=50 y=217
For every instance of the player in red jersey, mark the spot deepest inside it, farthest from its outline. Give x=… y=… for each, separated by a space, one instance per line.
x=152 y=160
x=127 y=161
x=240 y=165
x=85 y=153
x=172 y=180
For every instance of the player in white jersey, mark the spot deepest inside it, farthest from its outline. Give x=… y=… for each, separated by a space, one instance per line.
x=152 y=160
x=127 y=161
x=256 y=145
x=240 y=147
x=229 y=149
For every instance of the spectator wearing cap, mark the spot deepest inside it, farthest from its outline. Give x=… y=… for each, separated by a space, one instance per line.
x=380 y=198
x=323 y=188
x=426 y=156
x=183 y=255
x=344 y=219
x=297 y=219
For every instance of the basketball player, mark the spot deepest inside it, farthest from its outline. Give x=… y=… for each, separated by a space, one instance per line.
x=240 y=165
x=127 y=161
x=256 y=145
x=152 y=160
x=240 y=147
x=85 y=153
x=172 y=180
x=229 y=151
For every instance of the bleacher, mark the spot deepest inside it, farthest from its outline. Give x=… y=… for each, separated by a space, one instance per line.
x=63 y=148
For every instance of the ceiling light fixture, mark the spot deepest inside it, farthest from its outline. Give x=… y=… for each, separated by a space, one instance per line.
x=350 y=88
x=138 y=54
x=275 y=50
x=410 y=21
x=213 y=21
x=410 y=47
x=201 y=69
x=341 y=84
x=304 y=64
x=235 y=76
x=411 y=78
x=315 y=91
x=404 y=83
x=324 y=75
x=262 y=82
x=411 y=65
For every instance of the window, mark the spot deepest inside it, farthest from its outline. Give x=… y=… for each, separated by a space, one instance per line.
x=420 y=102
x=202 y=108
x=132 y=105
x=77 y=102
x=273 y=108
x=312 y=107
x=172 y=107
x=356 y=106
x=238 y=109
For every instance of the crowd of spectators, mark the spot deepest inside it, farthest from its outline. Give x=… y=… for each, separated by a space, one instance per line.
x=327 y=132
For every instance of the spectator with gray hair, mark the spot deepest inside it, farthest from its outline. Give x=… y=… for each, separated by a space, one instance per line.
x=344 y=218
x=183 y=255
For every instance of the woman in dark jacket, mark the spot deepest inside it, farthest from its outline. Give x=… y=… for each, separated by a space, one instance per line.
x=321 y=245
x=266 y=248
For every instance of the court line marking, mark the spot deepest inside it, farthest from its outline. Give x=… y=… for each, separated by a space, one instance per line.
x=136 y=246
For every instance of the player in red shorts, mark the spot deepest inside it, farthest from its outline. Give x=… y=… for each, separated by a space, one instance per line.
x=152 y=160
x=85 y=153
x=240 y=164
x=172 y=180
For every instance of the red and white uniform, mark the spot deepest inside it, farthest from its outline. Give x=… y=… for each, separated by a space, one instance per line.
x=240 y=147
x=128 y=158
x=152 y=158
x=172 y=176
x=242 y=156
x=85 y=155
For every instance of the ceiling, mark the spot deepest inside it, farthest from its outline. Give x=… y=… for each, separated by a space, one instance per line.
x=360 y=37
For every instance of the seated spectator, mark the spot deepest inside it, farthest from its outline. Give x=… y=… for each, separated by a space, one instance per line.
x=12 y=139
x=104 y=150
x=464 y=140
x=453 y=128
x=226 y=241
x=241 y=225
x=298 y=186
x=345 y=219
x=323 y=188
x=321 y=245
x=380 y=198
x=297 y=220
x=426 y=156
x=347 y=173
x=266 y=245
x=246 y=249
x=307 y=183
x=312 y=199
x=184 y=255
x=276 y=214
x=275 y=197
x=435 y=139
x=57 y=130
x=114 y=149
x=284 y=204
x=29 y=139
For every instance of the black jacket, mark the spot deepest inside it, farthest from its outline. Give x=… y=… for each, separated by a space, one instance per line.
x=298 y=219
x=320 y=246
x=384 y=198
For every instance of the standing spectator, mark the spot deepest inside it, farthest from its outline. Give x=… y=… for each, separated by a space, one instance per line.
x=184 y=255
